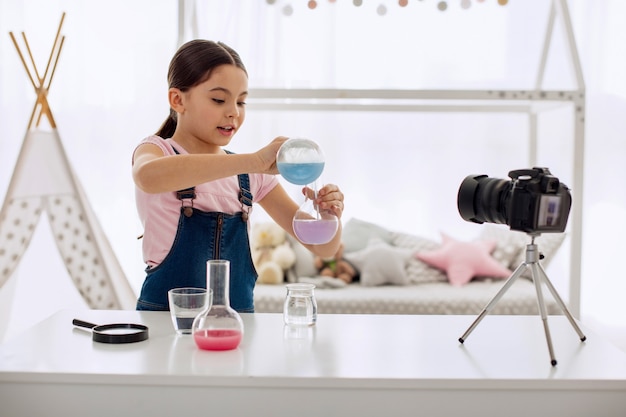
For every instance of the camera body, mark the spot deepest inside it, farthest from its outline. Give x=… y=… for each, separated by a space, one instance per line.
x=534 y=201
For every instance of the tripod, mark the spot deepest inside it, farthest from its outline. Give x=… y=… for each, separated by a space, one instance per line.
x=538 y=276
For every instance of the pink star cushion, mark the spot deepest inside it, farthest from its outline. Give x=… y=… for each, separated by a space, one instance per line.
x=463 y=261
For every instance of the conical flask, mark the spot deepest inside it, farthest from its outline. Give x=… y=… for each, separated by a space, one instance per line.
x=220 y=327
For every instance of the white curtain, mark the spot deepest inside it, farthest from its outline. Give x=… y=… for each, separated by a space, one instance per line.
x=400 y=170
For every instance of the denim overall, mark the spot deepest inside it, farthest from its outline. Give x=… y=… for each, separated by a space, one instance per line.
x=202 y=236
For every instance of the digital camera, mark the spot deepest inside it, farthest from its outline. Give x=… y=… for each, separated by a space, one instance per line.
x=534 y=201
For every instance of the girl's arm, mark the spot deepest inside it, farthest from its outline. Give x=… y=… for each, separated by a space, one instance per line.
x=154 y=172
x=282 y=208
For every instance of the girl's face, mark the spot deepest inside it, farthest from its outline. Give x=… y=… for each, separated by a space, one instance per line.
x=211 y=113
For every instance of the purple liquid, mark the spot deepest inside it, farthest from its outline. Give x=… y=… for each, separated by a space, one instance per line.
x=315 y=232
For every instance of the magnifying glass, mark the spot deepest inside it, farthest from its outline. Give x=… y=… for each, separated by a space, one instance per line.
x=115 y=333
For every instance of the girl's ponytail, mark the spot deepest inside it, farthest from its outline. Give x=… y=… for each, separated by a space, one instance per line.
x=168 y=127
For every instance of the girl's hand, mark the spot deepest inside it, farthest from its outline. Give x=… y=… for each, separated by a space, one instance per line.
x=329 y=197
x=267 y=156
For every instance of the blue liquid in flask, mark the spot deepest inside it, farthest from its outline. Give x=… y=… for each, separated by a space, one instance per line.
x=300 y=173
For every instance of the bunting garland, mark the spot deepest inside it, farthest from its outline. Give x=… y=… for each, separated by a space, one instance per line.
x=442 y=5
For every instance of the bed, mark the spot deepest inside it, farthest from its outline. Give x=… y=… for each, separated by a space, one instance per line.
x=422 y=288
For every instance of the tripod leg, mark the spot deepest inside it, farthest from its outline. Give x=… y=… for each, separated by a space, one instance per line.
x=542 y=310
x=561 y=304
x=516 y=274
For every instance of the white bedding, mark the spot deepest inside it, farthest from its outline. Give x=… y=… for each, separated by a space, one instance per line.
x=425 y=298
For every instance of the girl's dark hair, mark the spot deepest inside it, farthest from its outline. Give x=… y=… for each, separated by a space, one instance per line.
x=191 y=65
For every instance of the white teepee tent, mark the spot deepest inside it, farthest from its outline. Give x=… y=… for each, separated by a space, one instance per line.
x=43 y=180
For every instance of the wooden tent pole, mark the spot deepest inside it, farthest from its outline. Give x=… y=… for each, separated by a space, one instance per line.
x=41 y=102
x=52 y=52
x=17 y=47
x=45 y=106
x=32 y=60
x=54 y=56
x=56 y=61
x=43 y=84
x=30 y=77
x=45 y=109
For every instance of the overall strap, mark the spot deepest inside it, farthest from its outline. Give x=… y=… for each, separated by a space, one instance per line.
x=186 y=194
x=245 y=195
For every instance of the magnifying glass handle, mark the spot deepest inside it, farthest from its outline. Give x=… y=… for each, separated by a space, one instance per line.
x=77 y=322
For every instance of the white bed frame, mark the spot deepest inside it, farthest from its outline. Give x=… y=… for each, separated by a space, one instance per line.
x=529 y=102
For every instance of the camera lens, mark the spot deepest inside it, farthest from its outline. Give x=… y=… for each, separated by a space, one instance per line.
x=482 y=199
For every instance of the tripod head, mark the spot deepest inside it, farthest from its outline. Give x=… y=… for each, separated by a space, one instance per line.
x=533 y=248
x=532 y=236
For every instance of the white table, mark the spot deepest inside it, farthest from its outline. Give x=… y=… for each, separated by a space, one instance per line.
x=347 y=365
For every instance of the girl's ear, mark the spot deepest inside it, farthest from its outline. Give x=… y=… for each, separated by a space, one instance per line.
x=175 y=97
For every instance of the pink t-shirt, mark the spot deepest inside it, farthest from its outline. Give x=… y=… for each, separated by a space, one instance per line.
x=159 y=213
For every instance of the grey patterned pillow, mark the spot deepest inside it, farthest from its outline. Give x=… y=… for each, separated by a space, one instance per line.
x=511 y=248
x=509 y=244
x=418 y=272
x=510 y=251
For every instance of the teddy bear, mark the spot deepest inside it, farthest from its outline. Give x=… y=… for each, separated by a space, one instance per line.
x=336 y=267
x=271 y=253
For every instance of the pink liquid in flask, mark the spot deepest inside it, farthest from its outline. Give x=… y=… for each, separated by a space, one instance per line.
x=217 y=339
x=315 y=232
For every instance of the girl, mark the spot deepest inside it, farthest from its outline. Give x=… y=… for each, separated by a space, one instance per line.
x=193 y=197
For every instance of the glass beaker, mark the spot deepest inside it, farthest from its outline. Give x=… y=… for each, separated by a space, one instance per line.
x=186 y=304
x=220 y=327
x=300 y=308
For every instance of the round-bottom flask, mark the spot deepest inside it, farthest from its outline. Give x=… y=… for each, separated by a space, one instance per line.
x=300 y=161
x=314 y=226
x=220 y=327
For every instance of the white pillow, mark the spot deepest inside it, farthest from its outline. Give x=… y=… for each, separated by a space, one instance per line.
x=357 y=233
x=305 y=260
x=380 y=263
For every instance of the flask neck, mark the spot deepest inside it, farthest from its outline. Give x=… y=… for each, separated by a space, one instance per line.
x=220 y=292
x=218 y=280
